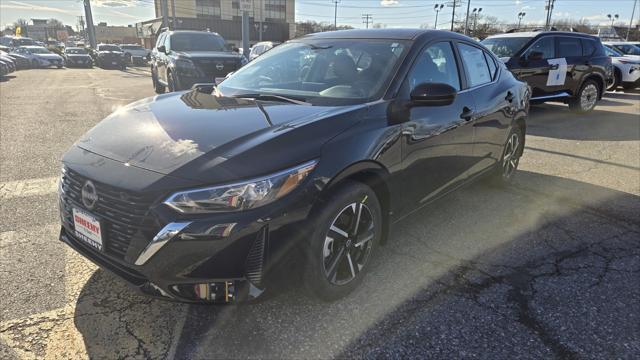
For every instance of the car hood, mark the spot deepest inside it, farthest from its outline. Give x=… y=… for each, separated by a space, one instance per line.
x=635 y=58
x=208 y=55
x=49 y=56
x=201 y=137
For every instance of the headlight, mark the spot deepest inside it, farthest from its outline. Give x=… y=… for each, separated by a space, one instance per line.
x=187 y=67
x=240 y=196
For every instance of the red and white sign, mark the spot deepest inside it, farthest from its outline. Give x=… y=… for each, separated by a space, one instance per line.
x=87 y=228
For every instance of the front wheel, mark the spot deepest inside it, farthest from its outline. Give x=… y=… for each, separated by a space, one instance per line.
x=616 y=81
x=586 y=98
x=346 y=231
x=506 y=168
x=171 y=81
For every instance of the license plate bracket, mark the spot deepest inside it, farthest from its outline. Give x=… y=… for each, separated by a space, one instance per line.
x=88 y=228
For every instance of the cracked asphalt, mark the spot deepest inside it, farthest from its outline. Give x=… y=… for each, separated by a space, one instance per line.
x=546 y=268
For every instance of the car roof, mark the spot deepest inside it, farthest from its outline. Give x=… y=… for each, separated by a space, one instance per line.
x=619 y=43
x=532 y=34
x=398 y=34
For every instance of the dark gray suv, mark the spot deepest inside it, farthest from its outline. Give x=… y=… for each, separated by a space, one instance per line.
x=183 y=58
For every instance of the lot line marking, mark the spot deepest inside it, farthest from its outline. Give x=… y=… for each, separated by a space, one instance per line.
x=29 y=187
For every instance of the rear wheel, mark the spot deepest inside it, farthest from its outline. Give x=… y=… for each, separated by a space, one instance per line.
x=157 y=87
x=506 y=168
x=346 y=231
x=586 y=98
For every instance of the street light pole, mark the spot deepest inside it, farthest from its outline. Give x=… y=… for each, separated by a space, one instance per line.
x=633 y=13
x=437 y=8
x=476 y=12
x=520 y=16
x=335 y=14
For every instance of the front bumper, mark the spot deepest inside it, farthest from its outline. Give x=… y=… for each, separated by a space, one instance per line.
x=631 y=75
x=220 y=258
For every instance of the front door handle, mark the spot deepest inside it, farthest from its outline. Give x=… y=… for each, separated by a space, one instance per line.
x=467 y=114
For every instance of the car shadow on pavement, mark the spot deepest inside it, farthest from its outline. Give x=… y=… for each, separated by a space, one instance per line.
x=555 y=121
x=542 y=268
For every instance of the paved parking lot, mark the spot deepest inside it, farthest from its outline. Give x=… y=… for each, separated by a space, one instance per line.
x=549 y=267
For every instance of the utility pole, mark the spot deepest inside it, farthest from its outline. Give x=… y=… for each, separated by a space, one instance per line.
x=549 y=8
x=173 y=14
x=91 y=31
x=437 y=8
x=165 y=14
x=335 y=14
x=245 y=6
x=466 y=19
x=366 y=18
x=453 y=14
x=633 y=13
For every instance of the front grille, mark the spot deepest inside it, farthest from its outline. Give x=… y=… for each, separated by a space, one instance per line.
x=123 y=214
x=209 y=67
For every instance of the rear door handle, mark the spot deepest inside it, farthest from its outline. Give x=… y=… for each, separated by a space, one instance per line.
x=467 y=114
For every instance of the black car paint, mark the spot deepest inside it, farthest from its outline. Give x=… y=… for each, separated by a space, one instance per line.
x=535 y=72
x=409 y=154
x=164 y=62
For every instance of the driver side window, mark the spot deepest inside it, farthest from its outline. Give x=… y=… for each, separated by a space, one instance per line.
x=546 y=46
x=436 y=64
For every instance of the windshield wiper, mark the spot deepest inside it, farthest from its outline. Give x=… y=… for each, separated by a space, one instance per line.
x=271 y=97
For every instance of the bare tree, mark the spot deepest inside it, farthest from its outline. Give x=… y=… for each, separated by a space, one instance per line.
x=55 y=24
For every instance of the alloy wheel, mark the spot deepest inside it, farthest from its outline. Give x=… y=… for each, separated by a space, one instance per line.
x=348 y=243
x=510 y=159
x=588 y=97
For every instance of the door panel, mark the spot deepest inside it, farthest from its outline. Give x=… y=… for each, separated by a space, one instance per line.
x=535 y=69
x=570 y=48
x=437 y=140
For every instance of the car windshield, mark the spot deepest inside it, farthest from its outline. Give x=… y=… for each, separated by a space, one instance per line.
x=75 y=51
x=612 y=52
x=108 y=48
x=628 y=49
x=132 y=47
x=505 y=46
x=38 y=50
x=197 y=42
x=326 y=72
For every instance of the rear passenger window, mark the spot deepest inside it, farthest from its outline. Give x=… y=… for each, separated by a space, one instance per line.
x=588 y=47
x=568 y=47
x=493 y=68
x=475 y=64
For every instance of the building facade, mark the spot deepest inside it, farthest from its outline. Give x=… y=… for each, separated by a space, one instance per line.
x=115 y=34
x=270 y=20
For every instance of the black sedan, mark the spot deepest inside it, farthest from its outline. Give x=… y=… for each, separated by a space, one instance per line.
x=316 y=149
x=110 y=56
x=77 y=57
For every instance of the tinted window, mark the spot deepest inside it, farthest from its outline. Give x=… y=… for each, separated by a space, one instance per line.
x=505 y=46
x=612 y=52
x=568 y=47
x=628 y=49
x=108 y=48
x=75 y=51
x=545 y=45
x=493 y=68
x=436 y=64
x=588 y=47
x=196 y=42
x=160 y=39
x=475 y=64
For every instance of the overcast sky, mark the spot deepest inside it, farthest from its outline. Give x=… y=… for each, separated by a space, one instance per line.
x=393 y=13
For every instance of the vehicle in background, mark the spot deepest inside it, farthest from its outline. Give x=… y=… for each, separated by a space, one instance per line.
x=40 y=56
x=626 y=69
x=10 y=66
x=77 y=57
x=13 y=64
x=21 y=62
x=624 y=47
x=4 y=69
x=16 y=41
x=110 y=56
x=135 y=54
x=559 y=66
x=183 y=58
x=260 y=48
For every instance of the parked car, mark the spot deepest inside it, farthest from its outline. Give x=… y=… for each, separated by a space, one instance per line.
x=260 y=48
x=183 y=58
x=4 y=68
x=40 y=56
x=626 y=69
x=22 y=62
x=17 y=41
x=196 y=196
x=110 y=56
x=77 y=57
x=135 y=54
x=11 y=64
x=627 y=48
x=560 y=66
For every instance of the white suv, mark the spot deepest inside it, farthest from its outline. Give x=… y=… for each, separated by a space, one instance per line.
x=626 y=69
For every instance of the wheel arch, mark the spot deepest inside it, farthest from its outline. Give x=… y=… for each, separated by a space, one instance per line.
x=599 y=79
x=374 y=175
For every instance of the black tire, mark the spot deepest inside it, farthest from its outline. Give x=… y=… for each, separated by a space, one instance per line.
x=171 y=82
x=327 y=252
x=506 y=169
x=157 y=87
x=617 y=79
x=589 y=89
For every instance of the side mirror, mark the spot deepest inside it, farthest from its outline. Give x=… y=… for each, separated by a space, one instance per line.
x=433 y=94
x=535 y=55
x=162 y=49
